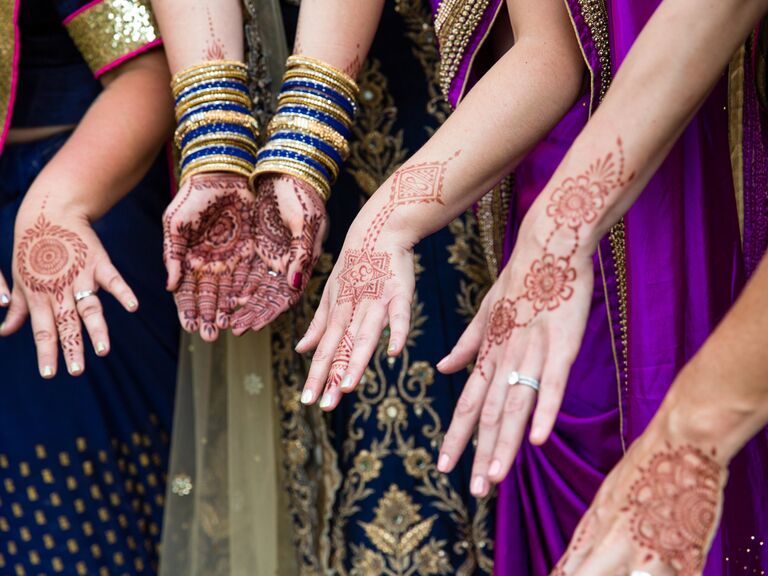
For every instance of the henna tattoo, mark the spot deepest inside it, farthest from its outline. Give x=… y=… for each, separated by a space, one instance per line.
x=550 y=278
x=363 y=276
x=354 y=66
x=215 y=48
x=273 y=237
x=68 y=325
x=674 y=507
x=340 y=361
x=50 y=257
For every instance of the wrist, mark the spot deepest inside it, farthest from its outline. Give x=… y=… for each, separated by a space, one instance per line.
x=72 y=204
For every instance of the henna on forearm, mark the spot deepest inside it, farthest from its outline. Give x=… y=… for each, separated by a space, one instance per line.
x=214 y=50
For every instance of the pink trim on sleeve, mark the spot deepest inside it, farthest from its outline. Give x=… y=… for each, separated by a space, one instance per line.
x=80 y=10
x=124 y=57
x=14 y=76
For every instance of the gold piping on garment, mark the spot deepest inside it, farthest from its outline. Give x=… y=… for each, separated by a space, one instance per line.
x=112 y=30
x=492 y=211
x=8 y=39
x=736 y=129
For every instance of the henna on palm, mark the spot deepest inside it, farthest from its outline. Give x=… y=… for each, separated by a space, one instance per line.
x=674 y=507
x=549 y=281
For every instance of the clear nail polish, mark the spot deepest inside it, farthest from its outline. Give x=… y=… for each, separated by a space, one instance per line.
x=75 y=368
x=477 y=485
x=346 y=383
x=307 y=396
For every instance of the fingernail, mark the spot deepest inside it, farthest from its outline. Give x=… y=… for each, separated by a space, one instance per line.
x=346 y=383
x=101 y=347
x=75 y=368
x=307 y=396
x=495 y=468
x=477 y=486
x=47 y=372
x=2 y=326
x=4 y=299
x=392 y=348
x=443 y=462
x=301 y=342
x=132 y=304
x=326 y=401
x=296 y=282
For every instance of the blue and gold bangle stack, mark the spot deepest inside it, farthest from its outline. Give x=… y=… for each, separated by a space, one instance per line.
x=216 y=130
x=309 y=135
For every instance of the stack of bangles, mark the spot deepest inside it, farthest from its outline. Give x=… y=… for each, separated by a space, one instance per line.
x=216 y=130
x=309 y=135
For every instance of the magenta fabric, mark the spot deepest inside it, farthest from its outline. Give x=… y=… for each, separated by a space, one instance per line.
x=684 y=269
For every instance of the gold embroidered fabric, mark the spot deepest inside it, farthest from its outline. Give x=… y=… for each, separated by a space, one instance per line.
x=8 y=41
x=111 y=30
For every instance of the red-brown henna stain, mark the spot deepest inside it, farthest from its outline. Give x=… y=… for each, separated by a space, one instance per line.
x=50 y=257
x=273 y=238
x=68 y=325
x=340 y=361
x=674 y=507
x=215 y=48
x=353 y=67
x=549 y=280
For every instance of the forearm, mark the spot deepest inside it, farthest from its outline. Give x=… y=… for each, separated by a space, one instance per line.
x=116 y=141
x=661 y=84
x=200 y=31
x=338 y=32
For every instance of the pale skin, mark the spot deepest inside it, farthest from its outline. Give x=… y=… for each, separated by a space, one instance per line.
x=100 y=163
x=529 y=88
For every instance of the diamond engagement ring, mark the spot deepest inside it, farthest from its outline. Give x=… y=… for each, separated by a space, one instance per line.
x=517 y=378
x=83 y=294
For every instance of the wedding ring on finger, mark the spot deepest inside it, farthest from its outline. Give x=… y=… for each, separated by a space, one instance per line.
x=273 y=273
x=83 y=294
x=516 y=378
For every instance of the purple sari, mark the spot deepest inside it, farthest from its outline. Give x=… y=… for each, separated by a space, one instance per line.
x=664 y=277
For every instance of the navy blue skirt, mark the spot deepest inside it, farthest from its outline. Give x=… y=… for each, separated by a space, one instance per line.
x=83 y=460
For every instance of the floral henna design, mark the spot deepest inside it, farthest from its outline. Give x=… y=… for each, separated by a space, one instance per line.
x=674 y=507
x=50 y=257
x=68 y=325
x=363 y=276
x=272 y=236
x=215 y=49
x=340 y=361
x=548 y=282
x=503 y=320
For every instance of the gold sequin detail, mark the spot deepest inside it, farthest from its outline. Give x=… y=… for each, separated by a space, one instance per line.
x=596 y=17
x=8 y=33
x=112 y=30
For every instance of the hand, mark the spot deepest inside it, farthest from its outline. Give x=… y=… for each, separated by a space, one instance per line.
x=530 y=325
x=656 y=513
x=58 y=261
x=209 y=249
x=290 y=225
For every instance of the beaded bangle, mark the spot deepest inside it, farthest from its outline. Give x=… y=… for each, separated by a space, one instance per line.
x=295 y=169
x=317 y=103
x=301 y=61
x=284 y=154
x=310 y=152
x=309 y=140
x=315 y=115
x=323 y=89
x=311 y=127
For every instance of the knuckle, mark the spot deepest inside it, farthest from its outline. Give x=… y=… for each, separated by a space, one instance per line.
x=514 y=405
x=490 y=416
x=465 y=406
x=322 y=355
x=91 y=309
x=43 y=336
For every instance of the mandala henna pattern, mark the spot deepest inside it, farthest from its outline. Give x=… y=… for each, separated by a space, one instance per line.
x=550 y=278
x=674 y=507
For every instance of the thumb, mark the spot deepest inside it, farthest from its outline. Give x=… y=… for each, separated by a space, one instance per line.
x=174 y=250
x=17 y=314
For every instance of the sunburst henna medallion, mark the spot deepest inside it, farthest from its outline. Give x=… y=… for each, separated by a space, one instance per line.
x=364 y=275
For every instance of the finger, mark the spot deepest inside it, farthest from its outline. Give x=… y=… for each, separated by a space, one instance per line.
x=366 y=338
x=317 y=326
x=239 y=280
x=332 y=393
x=301 y=262
x=92 y=313
x=186 y=302
x=325 y=355
x=70 y=336
x=5 y=293
x=17 y=314
x=606 y=560
x=399 y=324
x=466 y=348
x=518 y=405
x=207 y=298
x=272 y=298
x=553 y=382
x=174 y=252
x=110 y=279
x=46 y=337
x=465 y=418
x=226 y=298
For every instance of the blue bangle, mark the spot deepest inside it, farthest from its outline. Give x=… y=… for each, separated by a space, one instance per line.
x=233 y=85
x=305 y=87
x=295 y=156
x=316 y=115
x=225 y=106
x=219 y=151
x=219 y=128
x=324 y=147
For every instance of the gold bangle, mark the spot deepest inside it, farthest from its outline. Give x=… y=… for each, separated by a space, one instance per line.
x=316 y=102
x=215 y=168
x=333 y=113
x=301 y=61
x=319 y=186
x=308 y=150
x=296 y=166
x=216 y=117
x=311 y=127
x=210 y=97
x=223 y=139
x=209 y=67
x=302 y=74
x=179 y=88
x=232 y=162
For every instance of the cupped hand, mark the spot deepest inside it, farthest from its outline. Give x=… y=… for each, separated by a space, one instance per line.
x=656 y=513
x=529 y=328
x=290 y=224
x=209 y=249
x=59 y=264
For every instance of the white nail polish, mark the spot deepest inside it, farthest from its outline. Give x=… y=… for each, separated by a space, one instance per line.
x=346 y=383
x=4 y=299
x=326 y=401
x=132 y=304
x=477 y=485
x=47 y=371
x=75 y=368
x=392 y=348
x=443 y=462
x=101 y=347
x=307 y=396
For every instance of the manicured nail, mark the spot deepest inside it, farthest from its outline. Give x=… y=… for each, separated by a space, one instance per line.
x=75 y=368
x=478 y=484
x=326 y=401
x=5 y=299
x=296 y=282
x=495 y=468
x=307 y=396
x=132 y=304
x=443 y=462
x=301 y=342
x=346 y=383
x=392 y=348
x=101 y=347
x=47 y=372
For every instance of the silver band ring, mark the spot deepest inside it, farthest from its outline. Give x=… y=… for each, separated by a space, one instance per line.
x=83 y=294
x=640 y=573
x=516 y=378
x=273 y=273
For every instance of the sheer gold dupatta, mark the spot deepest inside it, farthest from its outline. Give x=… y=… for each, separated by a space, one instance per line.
x=225 y=513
